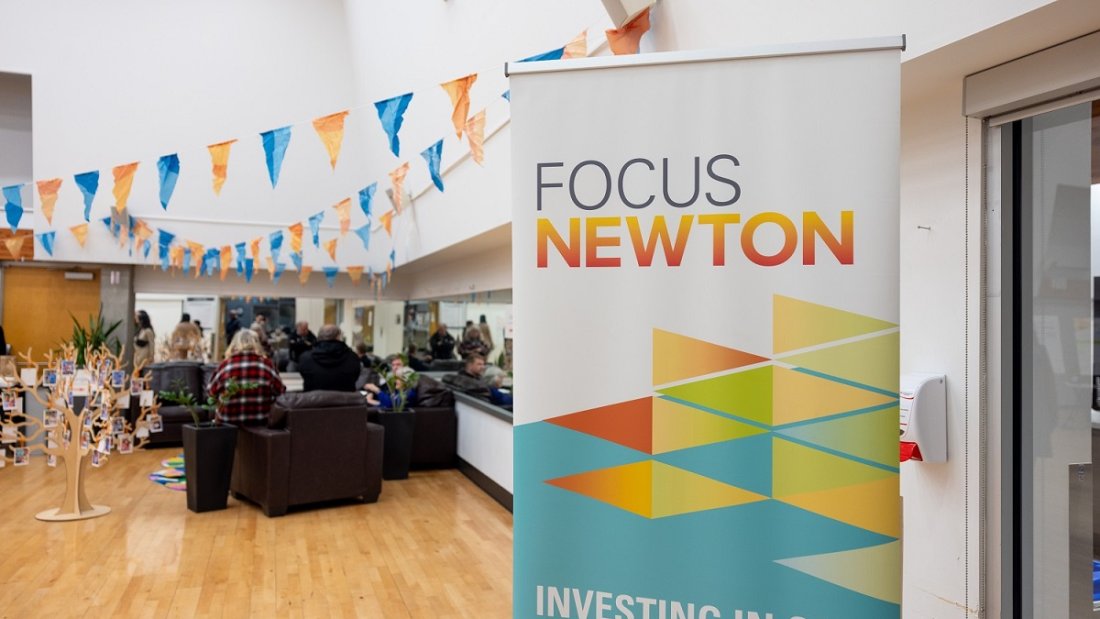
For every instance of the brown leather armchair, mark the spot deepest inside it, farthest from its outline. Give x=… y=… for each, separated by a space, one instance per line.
x=318 y=446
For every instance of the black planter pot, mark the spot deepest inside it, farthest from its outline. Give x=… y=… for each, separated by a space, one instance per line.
x=208 y=463
x=398 y=441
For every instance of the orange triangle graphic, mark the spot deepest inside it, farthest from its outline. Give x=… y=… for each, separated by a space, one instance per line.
x=629 y=424
x=676 y=357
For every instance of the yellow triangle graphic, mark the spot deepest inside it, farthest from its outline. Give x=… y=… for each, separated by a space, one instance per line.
x=627 y=487
x=676 y=357
x=676 y=426
x=799 y=470
x=874 y=571
x=797 y=396
x=676 y=491
x=798 y=324
x=873 y=506
x=872 y=362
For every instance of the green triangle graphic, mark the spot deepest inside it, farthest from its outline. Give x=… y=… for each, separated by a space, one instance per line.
x=872 y=362
x=797 y=469
x=871 y=436
x=874 y=571
x=745 y=394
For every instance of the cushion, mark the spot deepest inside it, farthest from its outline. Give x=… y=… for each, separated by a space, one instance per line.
x=300 y=400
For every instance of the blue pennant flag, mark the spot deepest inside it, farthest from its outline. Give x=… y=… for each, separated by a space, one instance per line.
x=366 y=194
x=392 y=113
x=46 y=240
x=88 y=183
x=507 y=95
x=393 y=257
x=168 y=168
x=433 y=154
x=111 y=226
x=330 y=275
x=315 y=227
x=145 y=249
x=296 y=258
x=276 y=241
x=212 y=261
x=249 y=269
x=164 y=241
x=240 y=257
x=279 y=268
x=275 y=143
x=364 y=234
x=187 y=259
x=13 y=205
x=554 y=54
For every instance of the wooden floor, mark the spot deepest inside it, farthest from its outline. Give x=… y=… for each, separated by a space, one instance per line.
x=433 y=546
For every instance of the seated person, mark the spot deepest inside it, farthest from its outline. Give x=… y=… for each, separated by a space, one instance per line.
x=245 y=362
x=330 y=364
x=469 y=380
x=366 y=355
x=415 y=361
x=382 y=396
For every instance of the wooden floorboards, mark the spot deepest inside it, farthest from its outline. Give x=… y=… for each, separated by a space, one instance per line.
x=433 y=546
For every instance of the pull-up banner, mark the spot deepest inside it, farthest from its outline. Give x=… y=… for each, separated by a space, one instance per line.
x=706 y=291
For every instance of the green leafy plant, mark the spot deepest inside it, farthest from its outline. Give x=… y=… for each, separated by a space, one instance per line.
x=398 y=385
x=97 y=333
x=182 y=397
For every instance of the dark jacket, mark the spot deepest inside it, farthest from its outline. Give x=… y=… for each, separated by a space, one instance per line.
x=442 y=345
x=468 y=383
x=330 y=365
x=299 y=344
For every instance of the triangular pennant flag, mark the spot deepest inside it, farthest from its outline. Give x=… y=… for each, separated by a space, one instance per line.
x=81 y=233
x=459 y=92
x=46 y=240
x=254 y=249
x=433 y=155
x=13 y=205
x=393 y=257
x=219 y=157
x=391 y=113
x=295 y=237
x=47 y=197
x=240 y=257
x=364 y=234
x=507 y=94
x=226 y=255
x=275 y=240
x=112 y=226
x=303 y=274
x=475 y=135
x=249 y=269
x=554 y=54
x=275 y=143
x=397 y=177
x=296 y=258
x=315 y=227
x=331 y=131
x=88 y=182
x=270 y=268
x=176 y=254
x=164 y=240
x=355 y=273
x=330 y=247
x=366 y=194
x=168 y=169
x=124 y=181
x=330 y=275
x=625 y=40
x=211 y=260
x=387 y=222
x=186 y=259
x=578 y=47
x=279 y=268
x=343 y=213
x=196 y=250
x=15 y=247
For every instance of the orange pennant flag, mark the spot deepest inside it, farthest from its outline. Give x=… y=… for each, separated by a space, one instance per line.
x=330 y=247
x=254 y=246
x=578 y=47
x=389 y=271
x=459 y=91
x=47 y=196
x=475 y=135
x=271 y=268
x=124 y=181
x=295 y=237
x=303 y=274
x=343 y=211
x=387 y=222
x=625 y=40
x=355 y=273
x=219 y=156
x=175 y=256
x=15 y=247
x=197 y=253
x=227 y=260
x=331 y=131
x=397 y=177
x=81 y=233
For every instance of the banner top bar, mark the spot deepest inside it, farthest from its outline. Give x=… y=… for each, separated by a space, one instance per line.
x=709 y=55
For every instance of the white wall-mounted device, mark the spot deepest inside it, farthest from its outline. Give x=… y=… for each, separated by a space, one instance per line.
x=923 y=422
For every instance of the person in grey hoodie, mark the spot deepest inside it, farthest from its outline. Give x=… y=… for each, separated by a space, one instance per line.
x=330 y=364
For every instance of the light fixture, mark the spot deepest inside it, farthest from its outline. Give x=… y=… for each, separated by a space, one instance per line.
x=83 y=276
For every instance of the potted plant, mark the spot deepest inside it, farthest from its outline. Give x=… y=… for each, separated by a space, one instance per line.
x=208 y=446
x=97 y=334
x=397 y=418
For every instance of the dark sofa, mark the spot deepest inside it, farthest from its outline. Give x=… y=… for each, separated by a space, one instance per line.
x=192 y=377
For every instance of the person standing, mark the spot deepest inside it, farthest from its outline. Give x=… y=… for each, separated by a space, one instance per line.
x=330 y=365
x=472 y=344
x=186 y=341
x=442 y=343
x=233 y=324
x=259 y=325
x=486 y=333
x=301 y=341
x=145 y=340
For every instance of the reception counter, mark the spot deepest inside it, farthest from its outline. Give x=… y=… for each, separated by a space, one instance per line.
x=485 y=446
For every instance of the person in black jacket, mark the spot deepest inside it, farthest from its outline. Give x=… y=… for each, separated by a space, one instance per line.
x=442 y=343
x=330 y=364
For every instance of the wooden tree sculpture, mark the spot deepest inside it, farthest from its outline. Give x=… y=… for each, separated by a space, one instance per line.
x=83 y=422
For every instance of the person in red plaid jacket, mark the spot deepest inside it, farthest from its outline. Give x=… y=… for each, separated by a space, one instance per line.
x=245 y=362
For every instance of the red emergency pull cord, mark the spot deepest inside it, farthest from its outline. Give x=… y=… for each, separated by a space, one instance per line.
x=910 y=451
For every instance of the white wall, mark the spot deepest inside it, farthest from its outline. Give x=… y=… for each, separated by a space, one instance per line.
x=389 y=327
x=15 y=131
